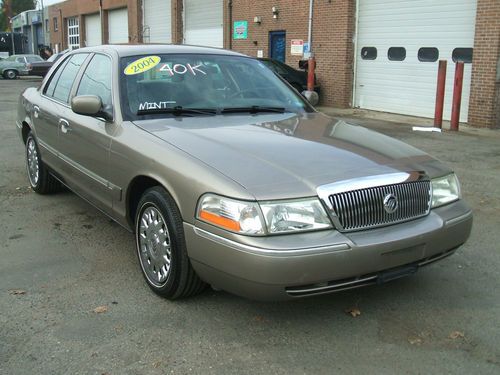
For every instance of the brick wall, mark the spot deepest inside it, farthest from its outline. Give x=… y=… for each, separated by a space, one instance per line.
x=73 y=8
x=484 y=106
x=333 y=28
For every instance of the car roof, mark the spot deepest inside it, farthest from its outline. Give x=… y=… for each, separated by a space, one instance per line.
x=24 y=55
x=124 y=50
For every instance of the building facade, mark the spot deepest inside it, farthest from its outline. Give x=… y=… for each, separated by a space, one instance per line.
x=30 y=24
x=368 y=55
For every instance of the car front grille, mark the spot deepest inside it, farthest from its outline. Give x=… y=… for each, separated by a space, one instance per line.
x=365 y=208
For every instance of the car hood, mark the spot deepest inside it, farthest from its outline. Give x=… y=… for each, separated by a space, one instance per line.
x=288 y=155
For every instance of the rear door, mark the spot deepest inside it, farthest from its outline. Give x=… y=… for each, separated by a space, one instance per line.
x=84 y=141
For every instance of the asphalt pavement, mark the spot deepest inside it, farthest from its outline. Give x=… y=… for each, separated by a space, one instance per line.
x=73 y=300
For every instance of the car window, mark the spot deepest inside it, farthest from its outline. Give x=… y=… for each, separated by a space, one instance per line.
x=31 y=59
x=269 y=64
x=67 y=76
x=55 y=57
x=201 y=81
x=97 y=79
x=280 y=69
x=49 y=88
x=20 y=60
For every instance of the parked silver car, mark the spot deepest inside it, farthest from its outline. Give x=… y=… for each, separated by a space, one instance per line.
x=228 y=177
x=17 y=65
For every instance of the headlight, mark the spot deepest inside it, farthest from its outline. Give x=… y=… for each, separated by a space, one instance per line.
x=294 y=216
x=445 y=190
x=236 y=216
x=273 y=217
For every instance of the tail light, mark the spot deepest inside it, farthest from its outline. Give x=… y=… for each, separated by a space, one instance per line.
x=28 y=66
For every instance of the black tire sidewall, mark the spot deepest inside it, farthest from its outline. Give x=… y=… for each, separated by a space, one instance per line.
x=159 y=199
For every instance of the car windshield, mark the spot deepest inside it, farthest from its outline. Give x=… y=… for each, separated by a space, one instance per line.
x=178 y=84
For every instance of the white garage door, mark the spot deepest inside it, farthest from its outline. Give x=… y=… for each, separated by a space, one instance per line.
x=92 y=30
x=157 y=21
x=398 y=47
x=118 y=25
x=203 y=23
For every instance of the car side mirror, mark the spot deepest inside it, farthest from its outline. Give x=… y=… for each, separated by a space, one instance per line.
x=90 y=105
x=311 y=96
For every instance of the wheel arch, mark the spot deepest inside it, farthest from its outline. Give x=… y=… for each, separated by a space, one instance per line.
x=25 y=130
x=7 y=69
x=136 y=189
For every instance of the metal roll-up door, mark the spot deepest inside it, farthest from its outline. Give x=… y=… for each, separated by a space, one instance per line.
x=93 y=30
x=399 y=44
x=157 y=27
x=118 y=25
x=203 y=23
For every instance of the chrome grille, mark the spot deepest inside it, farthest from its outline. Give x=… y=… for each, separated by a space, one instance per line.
x=364 y=208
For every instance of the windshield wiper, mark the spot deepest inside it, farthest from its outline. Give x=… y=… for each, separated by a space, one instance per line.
x=178 y=111
x=253 y=109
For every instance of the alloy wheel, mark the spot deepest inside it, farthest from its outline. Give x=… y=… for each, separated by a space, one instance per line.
x=154 y=245
x=32 y=162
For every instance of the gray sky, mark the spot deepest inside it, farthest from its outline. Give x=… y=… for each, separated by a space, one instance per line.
x=49 y=2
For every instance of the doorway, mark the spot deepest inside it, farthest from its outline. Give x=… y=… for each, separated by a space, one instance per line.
x=277 y=45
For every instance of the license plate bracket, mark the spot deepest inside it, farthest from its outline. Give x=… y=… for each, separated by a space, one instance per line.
x=396 y=273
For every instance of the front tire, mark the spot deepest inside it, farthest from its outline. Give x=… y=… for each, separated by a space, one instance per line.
x=41 y=181
x=10 y=74
x=161 y=247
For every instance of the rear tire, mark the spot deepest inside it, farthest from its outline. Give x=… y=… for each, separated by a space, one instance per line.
x=161 y=247
x=10 y=74
x=41 y=181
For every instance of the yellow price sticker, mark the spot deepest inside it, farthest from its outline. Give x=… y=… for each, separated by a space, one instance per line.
x=142 y=65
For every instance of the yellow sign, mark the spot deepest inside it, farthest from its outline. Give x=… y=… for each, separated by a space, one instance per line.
x=142 y=65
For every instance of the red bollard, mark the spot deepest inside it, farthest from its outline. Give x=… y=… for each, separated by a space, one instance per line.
x=457 y=96
x=441 y=81
x=311 y=65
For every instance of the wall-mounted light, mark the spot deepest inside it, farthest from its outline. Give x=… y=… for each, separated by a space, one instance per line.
x=257 y=20
x=275 y=12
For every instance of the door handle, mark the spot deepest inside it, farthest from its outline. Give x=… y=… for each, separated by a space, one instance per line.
x=64 y=125
x=36 y=111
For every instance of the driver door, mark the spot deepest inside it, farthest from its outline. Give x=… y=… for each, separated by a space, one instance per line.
x=84 y=141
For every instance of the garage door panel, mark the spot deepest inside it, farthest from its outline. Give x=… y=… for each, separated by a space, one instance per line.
x=93 y=30
x=386 y=85
x=118 y=25
x=157 y=21
x=203 y=23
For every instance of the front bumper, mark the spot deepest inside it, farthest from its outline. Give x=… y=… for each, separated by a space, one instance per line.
x=298 y=265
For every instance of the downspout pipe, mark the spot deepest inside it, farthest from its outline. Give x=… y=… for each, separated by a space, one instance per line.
x=309 y=35
x=230 y=16
x=100 y=18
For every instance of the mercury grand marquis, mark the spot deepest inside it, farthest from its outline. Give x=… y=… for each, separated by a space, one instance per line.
x=227 y=176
